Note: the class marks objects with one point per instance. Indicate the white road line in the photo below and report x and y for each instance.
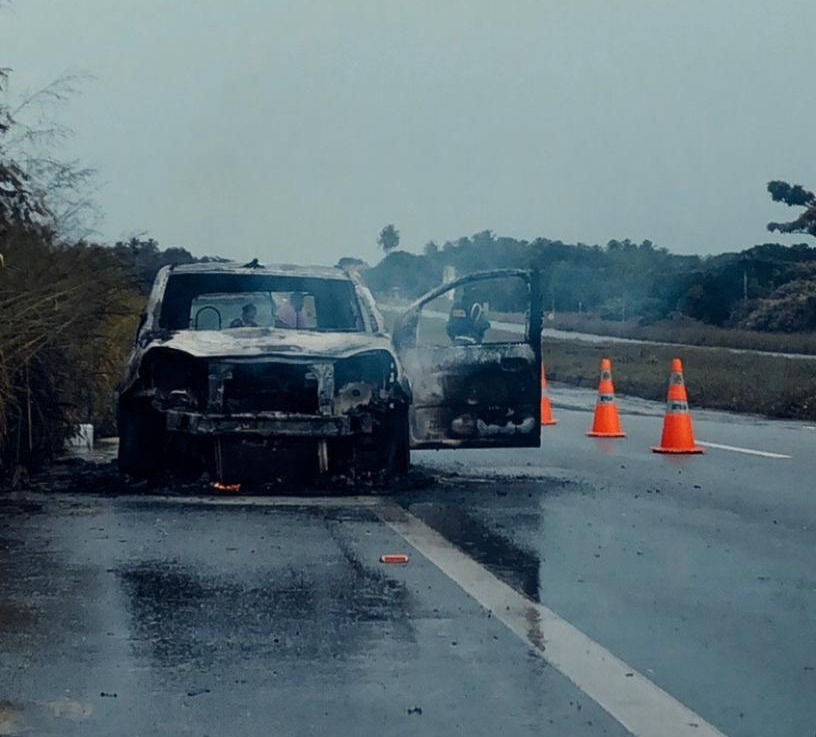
(629, 697)
(747, 451)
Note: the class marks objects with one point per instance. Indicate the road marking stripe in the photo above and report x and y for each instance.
(747, 451)
(629, 697)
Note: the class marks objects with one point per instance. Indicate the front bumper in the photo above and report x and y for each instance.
(267, 424)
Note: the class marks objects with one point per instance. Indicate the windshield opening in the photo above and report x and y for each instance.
(234, 301)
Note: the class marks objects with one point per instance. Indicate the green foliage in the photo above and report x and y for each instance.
(619, 282)
(794, 195)
(141, 259)
(18, 205)
(351, 263)
(402, 275)
(388, 238)
(791, 308)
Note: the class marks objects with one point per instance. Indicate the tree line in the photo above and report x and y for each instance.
(769, 287)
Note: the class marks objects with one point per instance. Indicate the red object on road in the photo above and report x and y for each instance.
(226, 488)
(398, 558)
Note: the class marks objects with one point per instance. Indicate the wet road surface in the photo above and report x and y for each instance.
(585, 588)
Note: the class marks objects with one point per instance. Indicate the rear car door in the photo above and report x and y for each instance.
(471, 351)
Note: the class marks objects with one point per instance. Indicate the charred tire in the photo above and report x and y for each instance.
(397, 450)
(141, 440)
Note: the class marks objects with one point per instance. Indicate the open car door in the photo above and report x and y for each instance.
(471, 351)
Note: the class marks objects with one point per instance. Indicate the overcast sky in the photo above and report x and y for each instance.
(294, 130)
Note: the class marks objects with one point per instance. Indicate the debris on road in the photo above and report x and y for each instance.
(80, 476)
(395, 558)
(226, 488)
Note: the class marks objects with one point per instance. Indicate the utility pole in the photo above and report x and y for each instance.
(745, 285)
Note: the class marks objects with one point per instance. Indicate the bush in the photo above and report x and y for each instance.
(790, 308)
(69, 313)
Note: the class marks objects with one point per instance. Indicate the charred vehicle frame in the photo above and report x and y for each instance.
(326, 393)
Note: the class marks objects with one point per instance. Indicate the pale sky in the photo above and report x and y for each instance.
(294, 130)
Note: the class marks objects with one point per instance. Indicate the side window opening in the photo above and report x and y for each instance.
(482, 312)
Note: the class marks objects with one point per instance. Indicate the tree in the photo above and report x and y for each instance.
(794, 196)
(409, 274)
(389, 238)
(352, 263)
(18, 205)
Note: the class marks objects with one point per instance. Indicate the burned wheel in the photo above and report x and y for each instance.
(377, 456)
(141, 440)
(397, 448)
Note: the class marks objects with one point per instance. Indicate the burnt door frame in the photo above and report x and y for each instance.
(441, 417)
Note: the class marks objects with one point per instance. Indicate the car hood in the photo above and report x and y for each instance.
(270, 342)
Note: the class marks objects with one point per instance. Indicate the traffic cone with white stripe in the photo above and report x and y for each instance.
(678, 433)
(546, 406)
(606, 422)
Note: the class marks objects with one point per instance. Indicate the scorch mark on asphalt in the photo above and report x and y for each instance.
(629, 697)
(251, 501)
(746, 451)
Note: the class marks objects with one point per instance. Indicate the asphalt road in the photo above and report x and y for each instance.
(586, 588)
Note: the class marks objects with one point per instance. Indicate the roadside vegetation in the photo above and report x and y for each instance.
(717, 379)
(69, 307)
(689, 332)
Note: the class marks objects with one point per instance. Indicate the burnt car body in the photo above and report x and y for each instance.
(264, 372)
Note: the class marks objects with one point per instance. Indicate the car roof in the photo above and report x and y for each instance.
(235, 267)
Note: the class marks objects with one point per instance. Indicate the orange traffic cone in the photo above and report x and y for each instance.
(546, 406)
(678, 433)
(606, 423)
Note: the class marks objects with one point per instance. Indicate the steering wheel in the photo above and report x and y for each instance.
(464, 340)
(204, 309)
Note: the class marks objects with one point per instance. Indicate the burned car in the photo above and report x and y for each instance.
(262, 372)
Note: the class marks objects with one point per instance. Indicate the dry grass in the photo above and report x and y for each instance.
(68, 316)
(690, 332)
(718, 379)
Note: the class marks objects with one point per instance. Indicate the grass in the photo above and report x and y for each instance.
(689, 332)
(768, 385)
